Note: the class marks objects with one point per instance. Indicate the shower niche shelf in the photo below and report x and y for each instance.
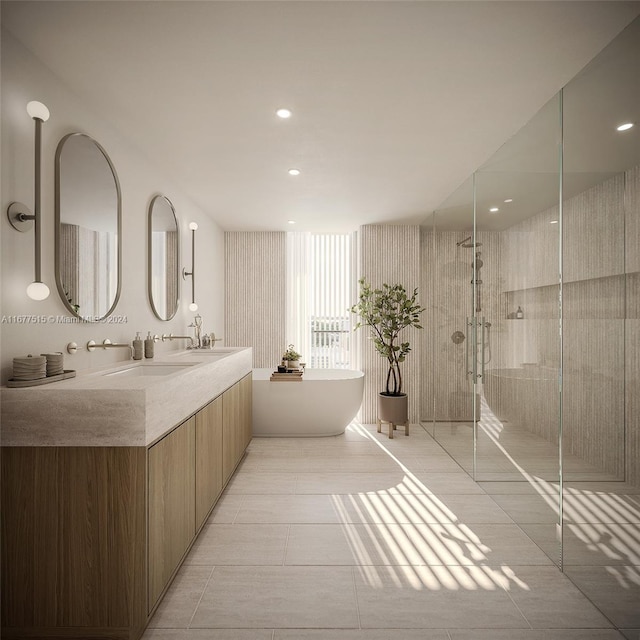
(609, 297)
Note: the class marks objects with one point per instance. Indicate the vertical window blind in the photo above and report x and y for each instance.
(320, 289)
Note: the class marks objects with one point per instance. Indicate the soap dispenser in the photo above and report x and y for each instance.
(137, 347)
(149, 346)
(519, 313)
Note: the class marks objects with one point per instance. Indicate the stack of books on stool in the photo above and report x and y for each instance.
(290, 374)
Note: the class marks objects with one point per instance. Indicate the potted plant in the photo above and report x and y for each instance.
(291, 357)
(387, 311)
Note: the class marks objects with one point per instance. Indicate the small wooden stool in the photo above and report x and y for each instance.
(392, 427)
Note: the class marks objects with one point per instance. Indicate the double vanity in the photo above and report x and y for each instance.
(107, 479)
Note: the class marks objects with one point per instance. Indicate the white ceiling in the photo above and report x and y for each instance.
(395, 103)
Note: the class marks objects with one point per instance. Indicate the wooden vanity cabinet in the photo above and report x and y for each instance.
(92, 536)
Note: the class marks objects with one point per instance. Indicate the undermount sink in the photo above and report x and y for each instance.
(150, 370)
(218, 352)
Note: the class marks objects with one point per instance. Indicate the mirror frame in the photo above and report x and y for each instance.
(58, 255)
(149, 257)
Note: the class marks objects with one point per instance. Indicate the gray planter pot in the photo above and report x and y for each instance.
(394, 410)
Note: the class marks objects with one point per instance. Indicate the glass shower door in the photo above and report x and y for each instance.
(451, 405)
(494, 251)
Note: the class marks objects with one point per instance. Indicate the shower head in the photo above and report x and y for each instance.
(468, 245)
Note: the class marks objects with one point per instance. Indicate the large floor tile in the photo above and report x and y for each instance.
(525, 486)
(474, 509)
(180, 602)
(615, 590)
(408, 544)
(327, 463)
(535, 634)
(434, 597)
(257, 482)
(208, 634)
(278, 597)
(239, 544)
(445, 483)
(603, 487)
(591, 507)
(440, 462)
(288, 509)
(226, 509)
(343, 483)
(531, 509)
(549, 600)
(403, 508)
(631, 634)
(361, 634)
(589, 545)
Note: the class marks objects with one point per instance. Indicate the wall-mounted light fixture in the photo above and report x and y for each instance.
(193, 306)
(20, 216)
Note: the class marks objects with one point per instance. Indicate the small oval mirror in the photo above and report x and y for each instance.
(88, 228)
(163, 243)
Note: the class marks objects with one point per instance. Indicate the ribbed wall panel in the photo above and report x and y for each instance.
(255, 294)
(391, 254)
(632, 325)
(447, 292)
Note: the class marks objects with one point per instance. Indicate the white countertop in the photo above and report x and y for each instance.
(95, 409)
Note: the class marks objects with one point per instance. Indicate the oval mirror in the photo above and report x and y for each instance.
(163, 243)
(88, 228)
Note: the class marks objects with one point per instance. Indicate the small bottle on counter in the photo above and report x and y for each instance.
(137, 347)
(149, 346)
(519, 313)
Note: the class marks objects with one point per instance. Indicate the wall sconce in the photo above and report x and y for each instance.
(19, 214)
(193, 306)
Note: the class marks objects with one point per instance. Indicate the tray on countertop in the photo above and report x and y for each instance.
(67, 373)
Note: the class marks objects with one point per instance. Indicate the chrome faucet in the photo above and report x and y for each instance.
(171, 337)
(107, 344)
(197, 325)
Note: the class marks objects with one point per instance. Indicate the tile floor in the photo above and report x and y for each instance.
(360, 537)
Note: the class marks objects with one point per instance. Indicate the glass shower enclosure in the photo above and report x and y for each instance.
(531, 273)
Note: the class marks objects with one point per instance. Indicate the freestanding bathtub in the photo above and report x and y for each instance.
(322, 404)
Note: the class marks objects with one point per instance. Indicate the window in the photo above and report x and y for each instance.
(320, 286)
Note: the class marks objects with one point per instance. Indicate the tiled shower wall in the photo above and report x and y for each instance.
(255, 294)
(601, 322)
(632, 342)
(446, 288)
(593, 325)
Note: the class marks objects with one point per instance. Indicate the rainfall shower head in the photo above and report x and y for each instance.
(468, 245)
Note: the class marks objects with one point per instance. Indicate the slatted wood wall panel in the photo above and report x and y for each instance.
(255, 294)
(391, 254)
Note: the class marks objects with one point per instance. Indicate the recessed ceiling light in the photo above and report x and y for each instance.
(283, 113)
(553, 222)
(509, 200)
(494, 209)
(294, 172)
(625, 127)
(291, 221)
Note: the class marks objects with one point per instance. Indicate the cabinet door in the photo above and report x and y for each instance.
(231, 435)
(237, 431)
(171, 504)
(208, 458)
(246, 386)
